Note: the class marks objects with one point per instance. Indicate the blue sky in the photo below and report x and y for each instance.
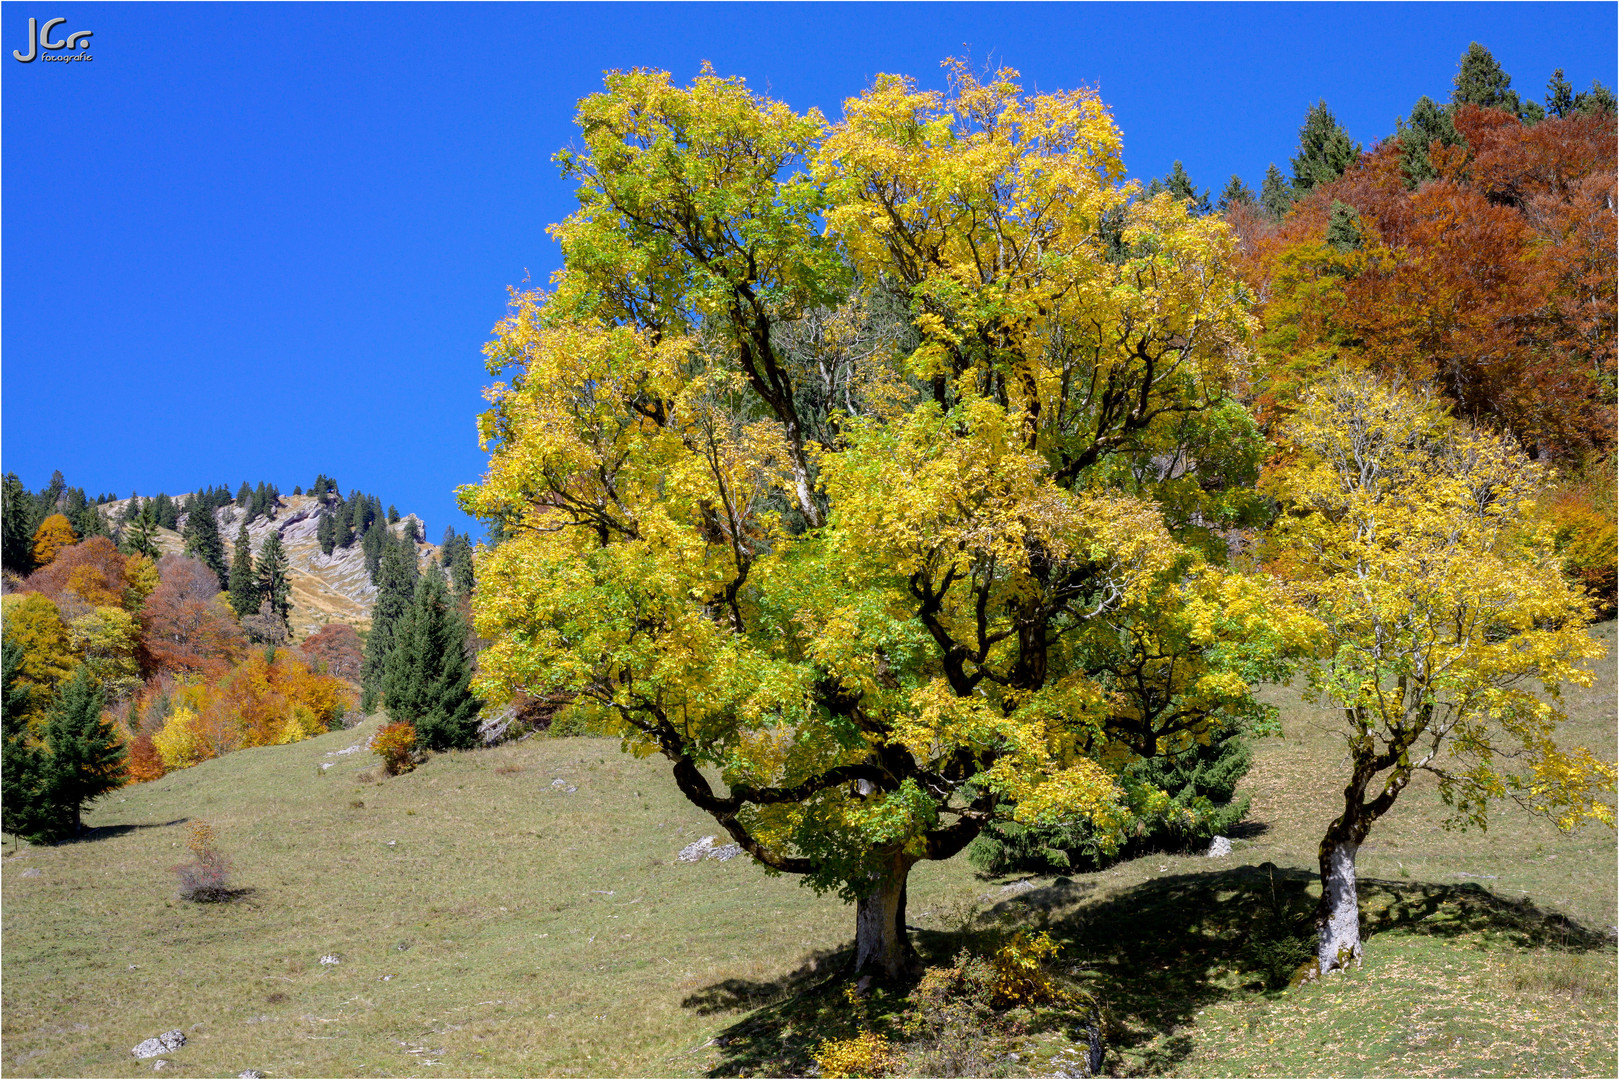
(267, 241)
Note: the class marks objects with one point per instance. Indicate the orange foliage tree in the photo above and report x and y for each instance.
(186, 625)
(1495, 282)
(260, 702)
(94, 573)
(337, 645)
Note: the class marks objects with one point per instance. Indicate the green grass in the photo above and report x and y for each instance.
(511, 928)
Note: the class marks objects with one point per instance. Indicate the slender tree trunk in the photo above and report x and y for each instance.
(881, 946)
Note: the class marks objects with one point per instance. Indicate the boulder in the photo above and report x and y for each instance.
(1219, 848)
(707, 848)
(161, 1044)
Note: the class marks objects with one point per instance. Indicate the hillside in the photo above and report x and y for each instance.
(325, 588)
(519, 911)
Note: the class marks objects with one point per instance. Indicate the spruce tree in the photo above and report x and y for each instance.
(1429, 123)
(244, 496)
(244, 583)
(86, 755)
(326, 533)
(396, 590)
(140, 535)
(426, 681)
(393, 514)
(166, 514)
(17, 526)
(23, 805)
(202, 539)
(1559, 95)
(1325, 150)
(1481, 81)
(372, 544)
(342, 533)
(1236, 192)
(275, 576)
(1180, 185)
(1275, 194)
(1344, 228)
(1597, 101)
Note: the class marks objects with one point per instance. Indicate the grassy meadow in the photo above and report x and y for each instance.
(488, 920)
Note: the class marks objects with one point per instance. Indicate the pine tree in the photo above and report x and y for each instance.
(1344, 228)
(1597, 101)
(244, 583)
(86, 756)
(140, 535)
(165, 513)
(393, 514)
(426, 681)
(461, 569)
(372, 544)
(23, 806)
(1275, 194)
(202, 539)
(1480, 81)
(396, 589)
(342, 533)
(1325, 150)
(244, 496)
(1180, 185)
(1429, 123)
(17, 526)
(326, 533)
(1236, 192)
(1559, 95)
(274, 577)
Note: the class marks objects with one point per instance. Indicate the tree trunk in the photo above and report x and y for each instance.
(1337, 916)
(881, 946)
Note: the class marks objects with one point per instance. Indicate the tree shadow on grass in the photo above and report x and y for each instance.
(1161, 952)
(1157, 954)
(93, 833)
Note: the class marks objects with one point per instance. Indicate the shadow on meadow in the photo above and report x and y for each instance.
(94, 833)
(1156, 954)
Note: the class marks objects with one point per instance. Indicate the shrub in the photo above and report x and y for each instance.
(206, 878)
(1201, 785)
(177, 743)
(145, 763)
(395, 744)
(865, 1055)
(1021, 977)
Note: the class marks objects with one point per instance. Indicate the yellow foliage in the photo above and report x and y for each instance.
(865, 1055)
(53, 534)
(107, 638)
(34, 625)
(178, 743)
(140, 571)
(1021, 977)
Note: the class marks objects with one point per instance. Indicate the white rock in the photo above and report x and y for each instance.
(162, 1044)
(1219, 848)
(330, 958)
(697, 852)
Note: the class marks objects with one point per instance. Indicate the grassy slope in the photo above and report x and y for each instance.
(552, 933)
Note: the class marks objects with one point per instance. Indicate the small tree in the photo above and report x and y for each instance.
(54, 534)
(396, 589)
(86, 756)
(244, 582)
(1275, 194)
(275, 577)
(25, 809)
(1439, 611)
(202, 539)
(428, 671)
(1325, 150)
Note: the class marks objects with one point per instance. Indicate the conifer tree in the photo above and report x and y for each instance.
(202, 539)
(1344, 228)
(326, 533)
(342, 533)
(426, 681)
(244, 496)
(1236, 191)
(1559, 95)
(1429, 123)
(372, 544)
(244, 583)
(86, 756)
(1275, 194)
(396, 589)
(1179, 184)
(165, 513)
(1597, 101)
(1325, 150)
(274, 576)
(1481, 81)
(22, 764)
(140, 536)
(393, 514)
(17, 526)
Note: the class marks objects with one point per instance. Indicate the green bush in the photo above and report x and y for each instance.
(1201, 784)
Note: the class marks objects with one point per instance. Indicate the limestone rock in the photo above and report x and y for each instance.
(1219, 848)
(707, 848)
(162, 1044)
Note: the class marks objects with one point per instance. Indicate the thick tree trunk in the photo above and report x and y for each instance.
(1337, 916)
(881, 946)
